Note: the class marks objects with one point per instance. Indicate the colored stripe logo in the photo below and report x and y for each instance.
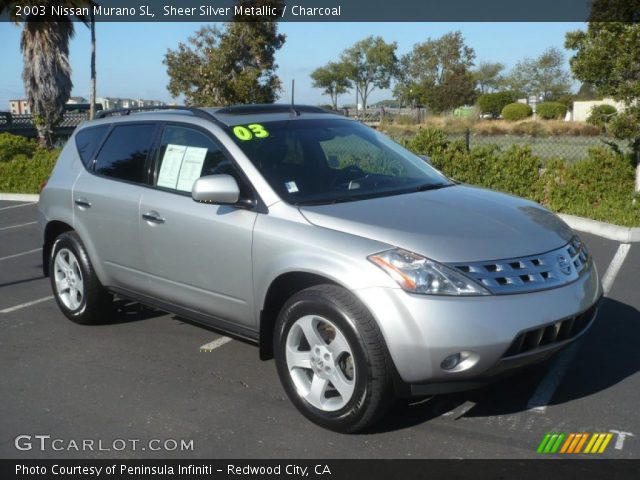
(574, 442)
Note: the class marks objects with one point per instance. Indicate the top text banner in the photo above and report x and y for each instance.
(333, 11)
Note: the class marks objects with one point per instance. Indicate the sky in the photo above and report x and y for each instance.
(129, 55)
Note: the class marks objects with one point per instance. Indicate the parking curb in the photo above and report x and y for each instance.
(602, 229)
(595, 227)
(19, 197)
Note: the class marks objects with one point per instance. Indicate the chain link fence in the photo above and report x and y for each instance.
(567, 147)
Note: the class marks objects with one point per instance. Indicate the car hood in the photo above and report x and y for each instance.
(452, 224)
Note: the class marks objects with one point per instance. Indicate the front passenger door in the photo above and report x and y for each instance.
(197, 256)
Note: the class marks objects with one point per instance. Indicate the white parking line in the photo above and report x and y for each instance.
(27, 304)
(18, 226)
(218, 342)
(547, 387)
(16, 206)
(21, 254)
(614, 267)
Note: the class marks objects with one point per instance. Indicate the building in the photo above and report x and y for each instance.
(19, 107)
(76, 100)
(582, 110)
(112, 103)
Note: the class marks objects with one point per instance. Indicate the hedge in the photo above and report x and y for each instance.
(24, 174)
(13, 145)
(599, 187)
(516, 111)
(551, 110)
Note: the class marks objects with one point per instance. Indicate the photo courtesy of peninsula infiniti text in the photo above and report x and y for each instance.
(363, 271)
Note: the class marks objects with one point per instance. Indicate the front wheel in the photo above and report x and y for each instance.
(331, 359)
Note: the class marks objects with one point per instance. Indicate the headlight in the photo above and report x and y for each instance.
(418, 274)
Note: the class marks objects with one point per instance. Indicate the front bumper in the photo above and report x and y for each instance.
(420, 330)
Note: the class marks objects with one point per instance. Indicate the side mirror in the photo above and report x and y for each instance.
(426, 159)
(221, 189)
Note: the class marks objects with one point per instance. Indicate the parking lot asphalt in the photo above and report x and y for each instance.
(145, 377)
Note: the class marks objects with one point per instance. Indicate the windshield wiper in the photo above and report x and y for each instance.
(432, 186)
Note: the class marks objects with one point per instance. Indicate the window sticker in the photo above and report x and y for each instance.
(251, 131)
(291, 187)
(181, 166)
(191, 167)
(170, 166)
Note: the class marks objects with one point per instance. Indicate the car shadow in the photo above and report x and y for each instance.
(126, 311)
(606, 355)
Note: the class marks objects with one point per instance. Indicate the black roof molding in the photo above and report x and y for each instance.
(195, 111)
(268, 108)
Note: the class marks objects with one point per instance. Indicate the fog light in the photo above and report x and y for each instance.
(451, 361)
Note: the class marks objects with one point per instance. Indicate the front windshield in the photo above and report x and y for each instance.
(326, 161)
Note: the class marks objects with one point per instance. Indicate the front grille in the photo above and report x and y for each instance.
(535, 272)
(550, 334)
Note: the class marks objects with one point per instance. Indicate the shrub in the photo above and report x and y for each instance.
(22, 174)
(12, 145)
(428, 141)
(600, 186)
(493, 103)
(516, 111)
(551, 110)
(601, 115)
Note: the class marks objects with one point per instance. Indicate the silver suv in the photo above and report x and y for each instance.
(364, 271)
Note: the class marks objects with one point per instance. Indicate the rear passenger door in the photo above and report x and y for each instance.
(106, 203)
(198, 256)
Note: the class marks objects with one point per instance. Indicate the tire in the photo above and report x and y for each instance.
(332, 360)
(70, 271)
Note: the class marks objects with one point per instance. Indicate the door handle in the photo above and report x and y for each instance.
(83, 202)
(153, 217)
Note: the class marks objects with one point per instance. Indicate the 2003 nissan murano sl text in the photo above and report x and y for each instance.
(364, 271)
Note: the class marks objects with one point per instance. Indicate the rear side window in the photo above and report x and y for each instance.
(88, 141)
(124, 153)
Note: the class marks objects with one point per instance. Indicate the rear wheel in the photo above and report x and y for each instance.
(76, 288)
(331, 359)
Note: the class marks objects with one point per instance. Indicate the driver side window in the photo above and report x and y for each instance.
(185, 155)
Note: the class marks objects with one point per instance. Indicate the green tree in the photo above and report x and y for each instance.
(488, 76)
(587, 92)
(606, 56)
(235, 64)
(46, 70)
(493, 103)
(370, 63)
(437, 73)
(544, 75)
(332, 78)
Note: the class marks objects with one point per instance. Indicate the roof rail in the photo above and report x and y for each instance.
(268, 108)
(197, 112)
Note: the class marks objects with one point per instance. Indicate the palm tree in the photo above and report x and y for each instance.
(45, 50)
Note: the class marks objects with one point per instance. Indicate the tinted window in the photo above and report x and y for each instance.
(186, 155)
(125, 151)
(88, 141)
(332, 160)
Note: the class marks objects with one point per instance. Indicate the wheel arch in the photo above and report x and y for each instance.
(53, 229)
(279, 291)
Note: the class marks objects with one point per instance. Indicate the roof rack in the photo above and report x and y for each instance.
(197, 112)
(268, 108)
